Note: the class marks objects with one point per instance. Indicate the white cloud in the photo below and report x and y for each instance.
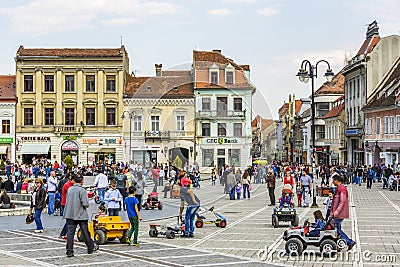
(44, 16)
(269, 11)
(219, 12)
(240, 1)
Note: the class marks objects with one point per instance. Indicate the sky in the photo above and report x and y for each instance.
(272, 36)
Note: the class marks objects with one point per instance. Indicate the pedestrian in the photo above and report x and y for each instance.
(231, 182)
(113, 197)
(238, 189)
(271, 180)
(38, 203)
(328, 203)
(139, 185)
(246, 184)
(51, 190)
(370, 177)
(213, 178)
(66, 186)
(75, 213)
(299, 193)
(155, 176)
(5, 201)
(360, 173)
(101, 183)
(305, 181)
(133, 215)
(122, 186)
(340, 208)
(288, 179)
(193, 203)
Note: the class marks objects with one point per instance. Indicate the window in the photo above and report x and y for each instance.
(155, 123)
(322, 109)
(378, 125)
(229, 77)
(137, 123)
(49, 83)
(206, 104)
(28, 83)
(366, 127)
(90, 83)
(180, 123)
(385, 125)
(5, 127)
(49, 116)
(90, 116)
(338, 133)
(221, 152)
(222, 106)
(205, 129)
(214, 77)
(110, 87)
(221, 129)
(208, 157)
(320, 129)
(370, 126)
(392, 125)
(69, 83)
(69, 116)
(28, 116)
(110, 116)
(397, 124)
(237, 130)
(234, 157)
(237, 104)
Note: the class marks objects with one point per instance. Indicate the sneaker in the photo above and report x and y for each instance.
(135, 244)
(191, 235)
(62, 237)
(39, 231)
(183, 235)
(128, 240)
(69, 255)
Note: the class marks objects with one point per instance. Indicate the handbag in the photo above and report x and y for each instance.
(250, 187)
(29, 218)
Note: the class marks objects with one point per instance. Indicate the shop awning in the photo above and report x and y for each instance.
(106, 150)
(35, 149)
(3, 149)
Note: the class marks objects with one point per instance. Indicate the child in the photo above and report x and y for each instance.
(286, 197)
(134, 216)
(328, 203)
(213, 178)
(299, 193)
(113, 196)
(318, 225)
(238, 190)
(102, 211)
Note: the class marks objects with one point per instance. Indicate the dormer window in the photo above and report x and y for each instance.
(214, 74)
(229, 74)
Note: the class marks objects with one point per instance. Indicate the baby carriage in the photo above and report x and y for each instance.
(152, 202)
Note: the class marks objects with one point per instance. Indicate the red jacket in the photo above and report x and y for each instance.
(340, 203)
(288, 180)
(64, 190)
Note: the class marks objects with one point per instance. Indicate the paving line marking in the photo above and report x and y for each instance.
(390, 202)
(219, 264)
(354, 227)
(95, 263)
(250, 249)
(25, 243)
(10, 254)
(181, 256)
(37, 249)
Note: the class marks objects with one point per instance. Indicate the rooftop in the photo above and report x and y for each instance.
(71, 52)
(7, 87)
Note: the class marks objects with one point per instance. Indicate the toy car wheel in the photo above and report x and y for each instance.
(124, 237)
(328, 247)
(222, 224)
(294, 247)
(146, 206)
(99, 237)
(199, 224)
(160, 206)
(80, 236)
(153, 233)
(170, 234)
(341, 244)
(97, 200)
(217, 222)
(111, 239)
(275, 221)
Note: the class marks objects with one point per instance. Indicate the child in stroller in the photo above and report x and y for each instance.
(152, 202)
(287, 196)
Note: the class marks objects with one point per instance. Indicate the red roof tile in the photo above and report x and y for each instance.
(297, 106)
(368, 45)
(283, 109)
(336, 86)
(334, 112)
(7, 87)
(71, 52)
(264, 122)
(213, 57)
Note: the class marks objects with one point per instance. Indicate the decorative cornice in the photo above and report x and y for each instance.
(158, 102)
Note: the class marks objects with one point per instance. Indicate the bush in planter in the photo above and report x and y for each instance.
(2, 165)
(69, 162)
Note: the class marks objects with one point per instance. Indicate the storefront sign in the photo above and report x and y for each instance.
(69, 146)
(352, 132)
(110, 141)
(221, 140)
(69, 137)
(35, 138)
(6, 140)
(90, 140)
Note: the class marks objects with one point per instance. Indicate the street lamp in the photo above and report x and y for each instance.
(304, 75)
(131, 115)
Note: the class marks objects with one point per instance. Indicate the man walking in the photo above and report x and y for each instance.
(340, 208)
(231, 182)
(122, 185)
(51, 191)
(64, 190)
(271, 186)
(370, 177)
(101, 182)
(76, 213)
(305, 181)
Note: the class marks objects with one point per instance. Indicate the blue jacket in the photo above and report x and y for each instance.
(319, 224)
(284, 200)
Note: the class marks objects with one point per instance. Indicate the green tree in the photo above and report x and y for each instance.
(69, 161)
(2, 165)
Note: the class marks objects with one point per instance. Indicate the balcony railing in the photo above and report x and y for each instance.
(68, 129)
(157, 134)
(222, 114)
(175, 134)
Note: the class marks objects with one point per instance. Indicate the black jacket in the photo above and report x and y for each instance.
(40, 199)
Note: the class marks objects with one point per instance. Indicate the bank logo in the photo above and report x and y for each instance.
(220, 141)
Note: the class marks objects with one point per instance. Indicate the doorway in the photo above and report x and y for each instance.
(221, 163)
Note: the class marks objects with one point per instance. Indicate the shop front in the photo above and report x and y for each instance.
(101, 150)
(6, 144)
(146, 155)
(72, 149)
(34, 148)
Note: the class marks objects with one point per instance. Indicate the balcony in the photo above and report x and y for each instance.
(68, 129)
(157, 134)
(181, 134)
(221, 114)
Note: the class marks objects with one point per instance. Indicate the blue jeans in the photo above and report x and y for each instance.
(101, 192)
(232, 192)
(62, 210)
(189, 219)
(38, 221)
(359, 180)
(113, 212)
(246, 189)
(238, 195)
(338, 223)
(50, 207)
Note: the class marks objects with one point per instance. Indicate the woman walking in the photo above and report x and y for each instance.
(38, 203)
(246, 184)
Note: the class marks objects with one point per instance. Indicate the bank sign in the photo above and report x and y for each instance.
(6, 140)
(220, 141)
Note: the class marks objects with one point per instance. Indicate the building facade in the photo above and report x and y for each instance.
(8, 101)
(159, 125)
(223, 105)
(69, 104)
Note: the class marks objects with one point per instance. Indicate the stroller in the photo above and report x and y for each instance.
(152, 202)
(393, 183)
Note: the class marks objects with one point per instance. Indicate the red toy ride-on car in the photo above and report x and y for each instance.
(152, 202)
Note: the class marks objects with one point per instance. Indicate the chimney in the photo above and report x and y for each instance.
(373, 30)
(158, 69)
(217, 51)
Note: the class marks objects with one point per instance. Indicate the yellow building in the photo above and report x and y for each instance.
(68, 103)
(160, 113)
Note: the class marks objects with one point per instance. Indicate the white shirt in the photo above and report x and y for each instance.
(101, 181)
(52, 184)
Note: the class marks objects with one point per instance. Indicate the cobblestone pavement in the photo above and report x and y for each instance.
(248, 239)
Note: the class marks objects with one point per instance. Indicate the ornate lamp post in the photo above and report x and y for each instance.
(304, 75)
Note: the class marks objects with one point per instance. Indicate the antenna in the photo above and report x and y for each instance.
(121, 39)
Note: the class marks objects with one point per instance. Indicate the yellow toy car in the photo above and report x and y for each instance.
(106, 228)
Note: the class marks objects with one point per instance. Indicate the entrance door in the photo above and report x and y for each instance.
(221, 163)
